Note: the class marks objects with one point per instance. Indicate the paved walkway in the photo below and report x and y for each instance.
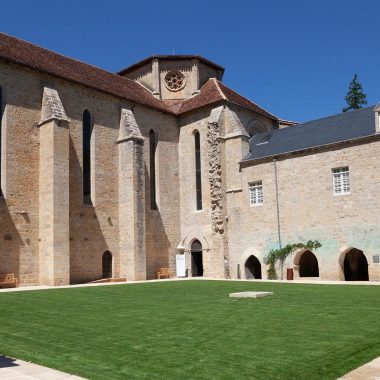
(369, 371)
(14, 369)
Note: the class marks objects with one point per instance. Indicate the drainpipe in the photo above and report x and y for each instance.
(277, 204)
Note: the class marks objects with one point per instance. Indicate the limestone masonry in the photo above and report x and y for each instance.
(114, 175)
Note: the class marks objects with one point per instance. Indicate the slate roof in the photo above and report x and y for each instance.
(330, 130)
(169, 57)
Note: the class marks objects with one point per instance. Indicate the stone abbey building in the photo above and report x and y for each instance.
(113, 175)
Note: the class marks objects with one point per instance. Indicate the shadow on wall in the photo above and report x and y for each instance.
(11, 244)
(87, 242)
(157, 242)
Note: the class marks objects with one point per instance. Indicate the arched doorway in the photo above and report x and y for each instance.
(355, 266)
(308, 265)
(107, 265)
(253, 268)
(196, 259)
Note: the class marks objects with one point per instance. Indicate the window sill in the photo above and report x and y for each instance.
(341, 194)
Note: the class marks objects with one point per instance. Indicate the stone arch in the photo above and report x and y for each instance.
(196, 252)
(307, 263)
(255, 126)
(107, 261)
(252, 268)
(244, 256)
(353, 265)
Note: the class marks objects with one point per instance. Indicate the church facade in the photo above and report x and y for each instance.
(114, 175)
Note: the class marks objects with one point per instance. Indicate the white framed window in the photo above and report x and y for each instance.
(255, 193)
(341, 180)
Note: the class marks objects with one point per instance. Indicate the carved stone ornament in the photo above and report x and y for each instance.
(175, 80)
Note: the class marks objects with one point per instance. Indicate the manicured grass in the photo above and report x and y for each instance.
(193, 330)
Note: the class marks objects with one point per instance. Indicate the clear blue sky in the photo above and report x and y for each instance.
(294, 58)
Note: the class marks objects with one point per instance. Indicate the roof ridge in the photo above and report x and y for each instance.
(62, 55)
(76, 71)
(332, 116)
(199, 95)
(216, 82)
(244, 97)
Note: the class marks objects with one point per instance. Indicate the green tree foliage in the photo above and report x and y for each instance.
(280, 255)
(355, 97)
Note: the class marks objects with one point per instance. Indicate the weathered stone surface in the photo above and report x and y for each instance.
(215, 169)
(52, 107)
(128, 126)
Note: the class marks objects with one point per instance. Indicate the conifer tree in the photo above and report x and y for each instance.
(355, 97)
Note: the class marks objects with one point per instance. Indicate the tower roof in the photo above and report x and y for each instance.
(173, 57)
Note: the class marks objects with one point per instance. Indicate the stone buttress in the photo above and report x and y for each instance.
(54, 249)
(236, 146)
(131, 198)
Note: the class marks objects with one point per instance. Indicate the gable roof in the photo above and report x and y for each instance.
(173, 57)
(213, 92)
(329, 130)
(26, 54)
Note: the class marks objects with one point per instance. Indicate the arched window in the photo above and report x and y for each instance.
(1, 137)
(198, 175)
(152, 169)
(87, 130)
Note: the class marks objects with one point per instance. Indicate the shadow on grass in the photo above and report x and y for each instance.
(7, 362)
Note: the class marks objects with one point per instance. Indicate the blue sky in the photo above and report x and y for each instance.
(294, 58)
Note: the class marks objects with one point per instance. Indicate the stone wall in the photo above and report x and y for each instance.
(309, 210)
(223, 141)
(93, 229)
(120, 220)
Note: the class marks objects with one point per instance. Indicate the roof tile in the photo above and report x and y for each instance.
(24, 53)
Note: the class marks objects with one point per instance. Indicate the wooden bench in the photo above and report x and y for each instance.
(165, 272)
(8, 280)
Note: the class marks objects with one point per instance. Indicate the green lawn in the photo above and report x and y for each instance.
(193, 330)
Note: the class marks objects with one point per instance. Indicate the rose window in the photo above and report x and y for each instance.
(174, 80)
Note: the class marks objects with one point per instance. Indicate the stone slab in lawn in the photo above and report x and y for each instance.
(251, 294)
